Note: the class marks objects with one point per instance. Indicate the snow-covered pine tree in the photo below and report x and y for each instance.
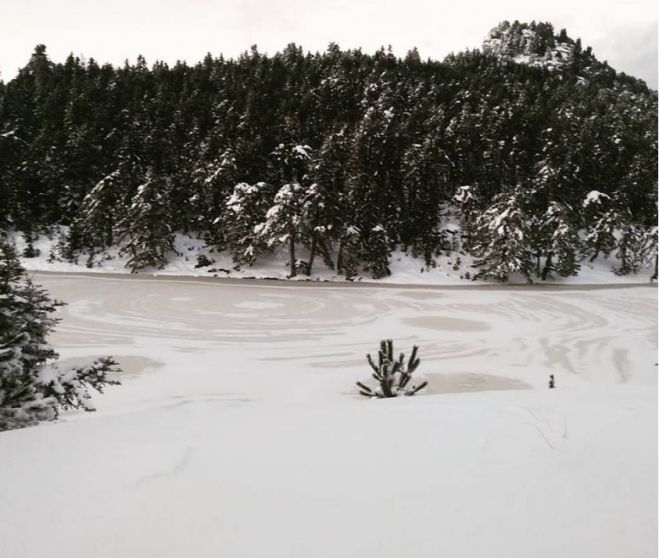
(423, 187)
(291, 161)
(32, 387)
(246, 208)
(374, 173)
(562, 248)
(296, 215)
(468, 202)
(98, 214)
(317, 229)
(332, 212)
(629, 249)
(610, 227)
(347, 260)
(283, 221)
(148, 225)
(379, 252)
(500, 239)
(69, 243)
(212, 184)
(601, 219)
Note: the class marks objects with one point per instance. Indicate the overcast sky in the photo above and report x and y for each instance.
(624, 32)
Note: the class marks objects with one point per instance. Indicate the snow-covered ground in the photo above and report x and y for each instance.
(405, 269)
(238, 431)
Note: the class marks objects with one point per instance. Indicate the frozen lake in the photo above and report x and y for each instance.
(239, 431)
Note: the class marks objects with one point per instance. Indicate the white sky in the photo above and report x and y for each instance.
(624, 32)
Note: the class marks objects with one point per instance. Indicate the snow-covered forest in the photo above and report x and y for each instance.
(529, 156)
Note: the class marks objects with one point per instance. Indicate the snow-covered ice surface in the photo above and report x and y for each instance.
(405, 269)
(238, 431)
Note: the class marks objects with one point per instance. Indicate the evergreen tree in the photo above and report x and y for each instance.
(468, 201)
(212, 184)
(246, 209)
(284, 221)
(563, 242)
(98, 217)
(500, 239)
(369, 193)
(317, 230)
(629, 249)
(347, 262)
(32, 387)
(424, 178)
(377, 253)
(604, 217)
(148, 225)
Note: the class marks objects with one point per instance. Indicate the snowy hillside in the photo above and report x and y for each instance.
(341, 157)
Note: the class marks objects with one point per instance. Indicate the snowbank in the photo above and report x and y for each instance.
(405, 269)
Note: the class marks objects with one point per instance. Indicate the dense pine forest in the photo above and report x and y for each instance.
(530, 155)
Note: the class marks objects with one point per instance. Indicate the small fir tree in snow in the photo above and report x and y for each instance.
(347, 261)
(378, 252)
(629, 249)
(392, 374)
(148, 225)
(33, 387)
(69, 243)
(29, 251)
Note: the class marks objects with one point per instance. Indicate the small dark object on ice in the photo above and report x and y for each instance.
(552, 384)
(392, 375)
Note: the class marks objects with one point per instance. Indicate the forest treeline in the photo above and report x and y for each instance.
(340, 156)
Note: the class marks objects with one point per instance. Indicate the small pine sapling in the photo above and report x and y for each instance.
(393, 375)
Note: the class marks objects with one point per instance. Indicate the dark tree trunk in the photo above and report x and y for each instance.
(654, 275)
(597, 250)
(339, 264)
(291, 251)
(547, 268)
(110, 239)
(312, 252)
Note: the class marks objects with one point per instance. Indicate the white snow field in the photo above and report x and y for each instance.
(238, 431)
